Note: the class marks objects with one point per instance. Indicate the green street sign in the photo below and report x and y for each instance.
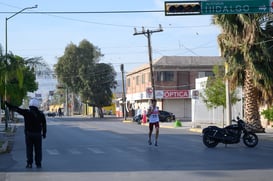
(210, 7)
(235, 6)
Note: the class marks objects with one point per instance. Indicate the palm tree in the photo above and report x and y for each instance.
(247, 45)
(17, 76)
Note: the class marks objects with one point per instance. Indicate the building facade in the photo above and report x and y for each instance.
(174, 78)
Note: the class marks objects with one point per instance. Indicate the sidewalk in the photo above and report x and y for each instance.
(188, 125)
(3, 141)
(6, 137)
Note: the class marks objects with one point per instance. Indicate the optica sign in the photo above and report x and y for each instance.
(176, 94)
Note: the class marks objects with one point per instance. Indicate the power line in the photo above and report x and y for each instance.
(89, 12)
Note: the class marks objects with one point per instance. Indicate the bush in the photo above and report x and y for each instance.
(268, 113)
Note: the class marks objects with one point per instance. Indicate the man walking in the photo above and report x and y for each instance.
(153, 114)
(35, 129)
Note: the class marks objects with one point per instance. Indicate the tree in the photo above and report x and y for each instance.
(247, 47)
(20, 79)
(215, 93)
(67, 68)
(268, 113)
(76, 62)
(79, 69)
(97, 91)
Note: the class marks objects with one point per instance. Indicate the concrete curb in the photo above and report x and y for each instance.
(4, 147)
(170, 126)
(197, 130)
(127, 121)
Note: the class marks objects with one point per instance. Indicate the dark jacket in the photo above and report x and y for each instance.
(35, 121)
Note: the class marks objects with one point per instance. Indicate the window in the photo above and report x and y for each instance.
(205, 74)
(137, 80)
(128, 82)
(143, 79)
(165, 76)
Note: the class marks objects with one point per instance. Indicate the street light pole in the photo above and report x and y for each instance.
(6, 56)
(36, 6)
(148, 33)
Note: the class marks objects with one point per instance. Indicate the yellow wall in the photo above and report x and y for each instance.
(54, 108)
(110, 108)
(107, 109)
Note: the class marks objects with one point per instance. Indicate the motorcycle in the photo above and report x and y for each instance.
(212, 135)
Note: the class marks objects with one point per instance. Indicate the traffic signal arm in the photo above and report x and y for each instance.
(174, 8)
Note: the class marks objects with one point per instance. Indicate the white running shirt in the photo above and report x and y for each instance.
(154, 115)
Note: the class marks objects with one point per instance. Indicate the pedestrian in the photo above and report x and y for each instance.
(144, 116)
(35, 129)
(153, 114)
(60, 112)
(138, 115)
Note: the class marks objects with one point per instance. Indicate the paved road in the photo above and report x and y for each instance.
(92, 149)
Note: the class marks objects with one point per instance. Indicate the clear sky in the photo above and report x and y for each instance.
(47, 35)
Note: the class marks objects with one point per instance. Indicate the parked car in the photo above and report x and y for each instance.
(165, 116)
(50, 114)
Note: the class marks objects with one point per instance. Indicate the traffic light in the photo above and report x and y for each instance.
(175, 8)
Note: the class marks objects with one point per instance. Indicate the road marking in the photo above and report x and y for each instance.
(118, 150)
(74, 151)
(95, 150)
(52, 151)
(137, 149)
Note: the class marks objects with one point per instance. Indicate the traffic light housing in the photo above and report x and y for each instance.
(175, 8)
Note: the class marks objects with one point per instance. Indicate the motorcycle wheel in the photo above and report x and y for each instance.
(250, 139)
(209, 142)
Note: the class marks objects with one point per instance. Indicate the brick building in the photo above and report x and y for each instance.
(174, 78)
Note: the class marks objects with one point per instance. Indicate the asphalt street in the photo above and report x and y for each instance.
(109, 149)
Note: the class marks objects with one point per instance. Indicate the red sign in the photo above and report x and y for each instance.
(176, 94)
(149, 90)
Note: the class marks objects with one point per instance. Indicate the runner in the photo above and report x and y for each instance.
(153, 113)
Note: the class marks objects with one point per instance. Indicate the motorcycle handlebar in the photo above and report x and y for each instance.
(236, 121)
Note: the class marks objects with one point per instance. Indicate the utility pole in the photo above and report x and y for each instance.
(123, 92)
(148, 34)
